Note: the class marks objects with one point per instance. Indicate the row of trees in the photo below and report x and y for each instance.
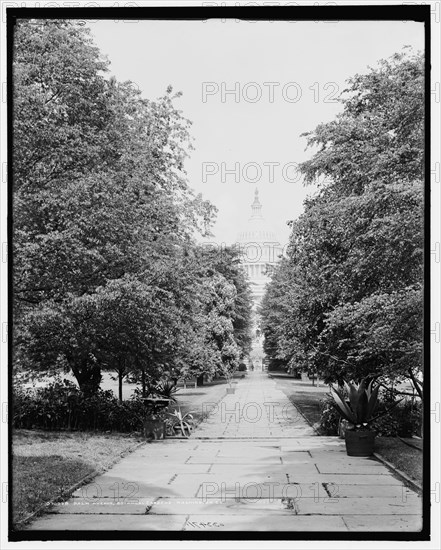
(347, 302)
(107, 272)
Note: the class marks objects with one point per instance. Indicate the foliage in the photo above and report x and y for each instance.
(166, 390)
(380, 132)
(347, 301)
(358, 408)
(180, 421)
(405, 420)
(62, 406)
(107, 272)
(358, 404)
(393, 418)
(329, 417)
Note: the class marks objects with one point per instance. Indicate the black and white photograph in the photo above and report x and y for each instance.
(219, 255)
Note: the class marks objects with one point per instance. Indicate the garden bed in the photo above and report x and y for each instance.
(45, 465)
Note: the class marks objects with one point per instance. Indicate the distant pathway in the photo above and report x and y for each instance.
(257, 409)
(254, 465)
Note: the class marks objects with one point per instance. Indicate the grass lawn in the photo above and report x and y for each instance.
(46, 464)
(304, 396)
(405, 458)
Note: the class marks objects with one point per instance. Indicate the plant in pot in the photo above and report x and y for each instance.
(358, 410)
(166, 389)
(159, 396)
(180, 423)
(228, 372)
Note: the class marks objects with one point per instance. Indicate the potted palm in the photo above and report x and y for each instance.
(358, 410)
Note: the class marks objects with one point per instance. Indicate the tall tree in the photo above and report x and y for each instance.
(353, 280)
(102, 209)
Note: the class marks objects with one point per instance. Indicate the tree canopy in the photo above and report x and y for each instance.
(107, 270)
(348, 300)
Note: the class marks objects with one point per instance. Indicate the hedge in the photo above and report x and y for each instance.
(62, 406)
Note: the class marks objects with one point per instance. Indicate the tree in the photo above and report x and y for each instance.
(101, 209)
(227, 262)
(379, 136)
(107, 272)
(353, 280)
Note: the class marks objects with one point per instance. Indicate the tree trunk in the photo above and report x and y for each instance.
(88, 378)
(120, 383)
(143, 381)
(417, 385)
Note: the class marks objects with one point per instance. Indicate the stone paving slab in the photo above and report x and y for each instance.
(294, 475)
(123, 522)
(375, 523)
(369, 491)
(342, 479)
(337, 468)
(163, 473)
(101, 507)
(272, 487)
(107, 489)
(244, 522)
(298, 505)
(257, 471)
(364, 506)
(236, 460)
(285, 506)
(220, 507)
(193, 522)
(277, 487)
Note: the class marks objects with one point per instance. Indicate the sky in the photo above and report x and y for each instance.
(250, 89)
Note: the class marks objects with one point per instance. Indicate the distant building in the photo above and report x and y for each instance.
(260, 250)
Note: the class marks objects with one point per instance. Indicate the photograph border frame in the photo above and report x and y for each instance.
(419, 13)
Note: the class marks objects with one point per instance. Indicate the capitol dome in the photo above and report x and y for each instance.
(260, 249)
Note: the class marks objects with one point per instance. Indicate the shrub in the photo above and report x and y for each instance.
(62, 406)
(404, 420)
(242, 367)
(329, 417)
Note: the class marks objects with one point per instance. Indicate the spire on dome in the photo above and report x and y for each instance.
(256, 207)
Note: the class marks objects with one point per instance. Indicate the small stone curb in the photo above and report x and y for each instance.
(398, 472)
(68, 492)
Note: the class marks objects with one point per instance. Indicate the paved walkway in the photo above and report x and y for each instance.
(253, 465)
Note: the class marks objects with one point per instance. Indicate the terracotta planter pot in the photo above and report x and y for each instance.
(342, 427)
(154, 428)
(359, 443)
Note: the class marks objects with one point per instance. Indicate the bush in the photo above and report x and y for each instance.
(329, 417)
(242, 367)
(62, 406)
(404, 420)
